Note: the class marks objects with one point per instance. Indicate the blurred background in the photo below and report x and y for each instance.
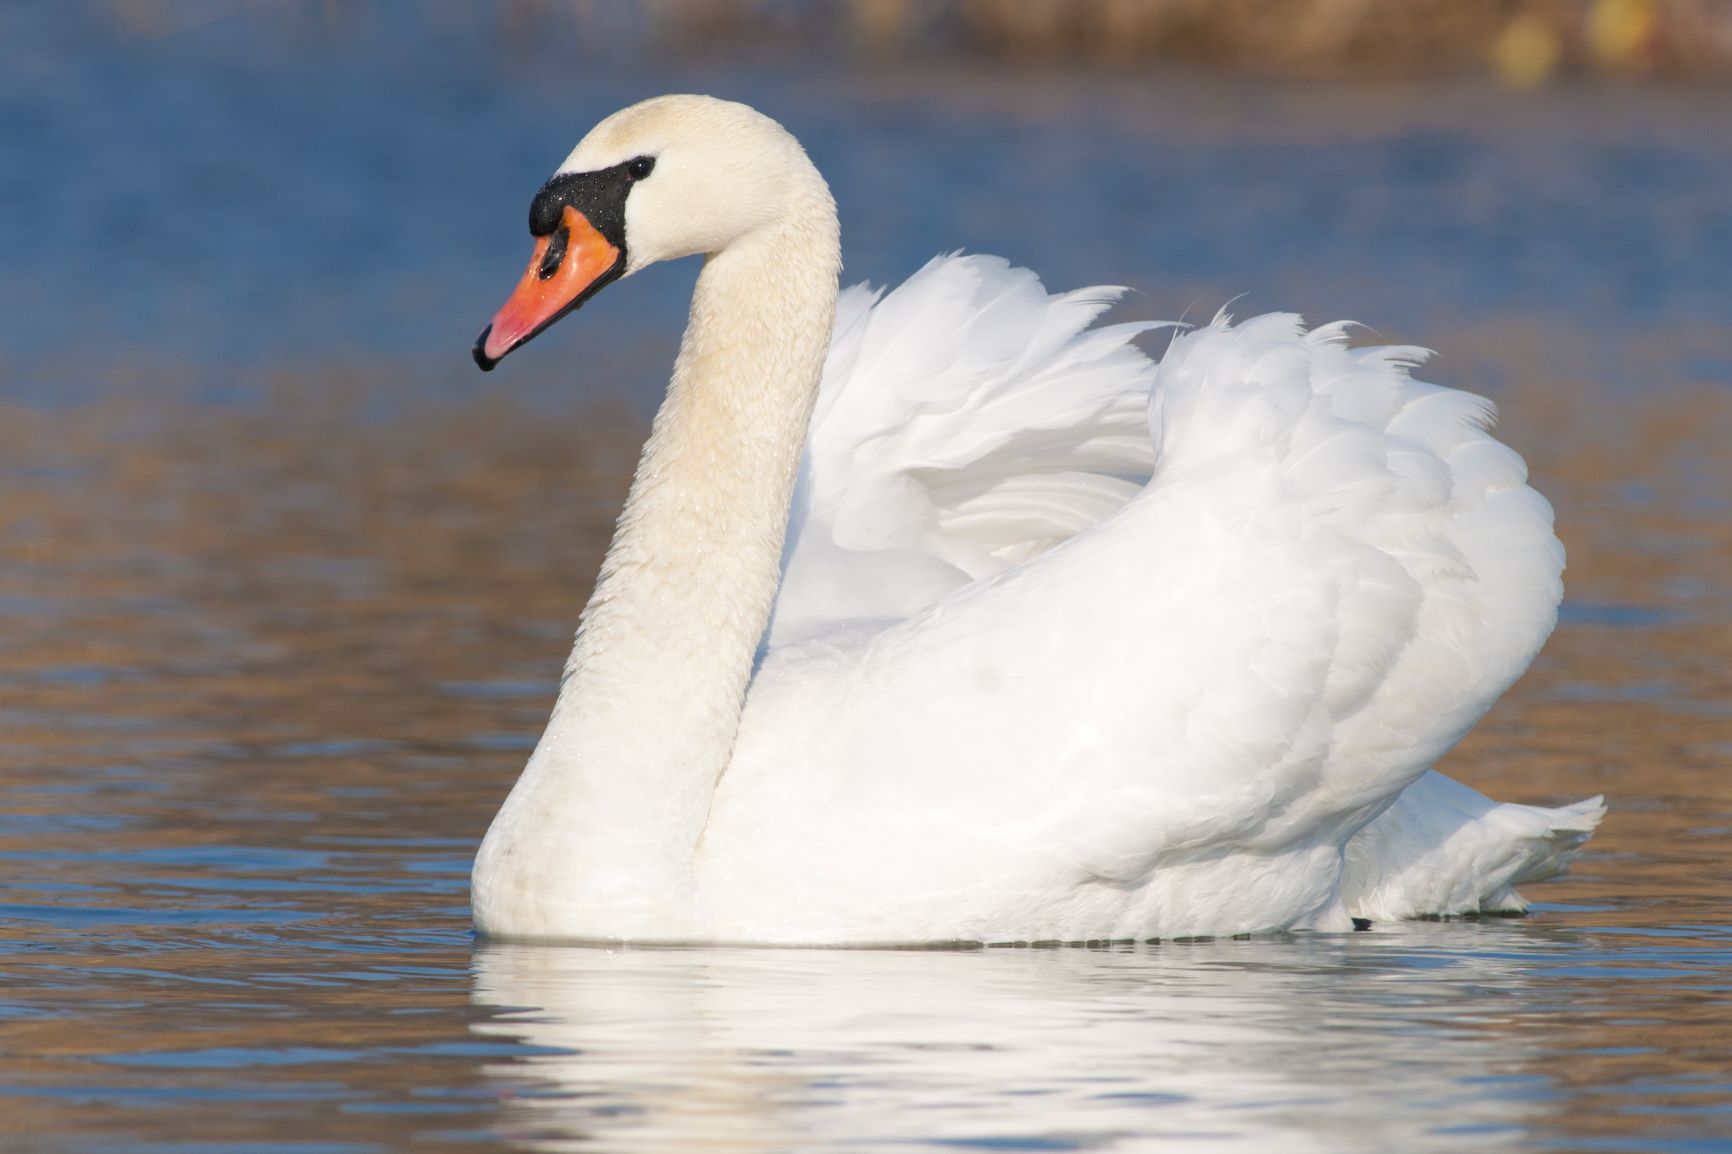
(285, 584)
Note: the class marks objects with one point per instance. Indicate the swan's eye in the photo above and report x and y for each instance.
(641, 167)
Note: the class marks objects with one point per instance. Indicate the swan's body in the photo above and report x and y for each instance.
(1046, 643)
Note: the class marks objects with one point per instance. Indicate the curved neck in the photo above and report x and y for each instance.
(596, 839)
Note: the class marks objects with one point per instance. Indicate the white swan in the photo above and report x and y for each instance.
(967, 623)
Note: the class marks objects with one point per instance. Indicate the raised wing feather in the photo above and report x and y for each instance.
(1455, 575)
(967, 421)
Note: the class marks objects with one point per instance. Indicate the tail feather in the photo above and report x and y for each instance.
(1443, 849)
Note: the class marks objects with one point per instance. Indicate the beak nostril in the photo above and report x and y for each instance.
(555, 254)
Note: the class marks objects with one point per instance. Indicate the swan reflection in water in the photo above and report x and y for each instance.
(1381, 1041)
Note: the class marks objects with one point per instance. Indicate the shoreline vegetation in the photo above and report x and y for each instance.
(1523, 43)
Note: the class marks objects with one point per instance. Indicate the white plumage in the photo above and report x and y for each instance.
(966, 422)
(1065, 644)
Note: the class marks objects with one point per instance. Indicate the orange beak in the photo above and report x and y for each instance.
(570, 265)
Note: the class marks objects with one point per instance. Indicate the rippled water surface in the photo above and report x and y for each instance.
(284, 589)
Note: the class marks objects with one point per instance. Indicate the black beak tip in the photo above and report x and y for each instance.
(482, 361)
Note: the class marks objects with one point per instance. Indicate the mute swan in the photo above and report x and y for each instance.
(940, 615)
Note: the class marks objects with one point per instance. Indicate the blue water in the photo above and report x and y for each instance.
(263, 188)
(285, 587)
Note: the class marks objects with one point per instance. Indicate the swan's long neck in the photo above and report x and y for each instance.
(597, 838)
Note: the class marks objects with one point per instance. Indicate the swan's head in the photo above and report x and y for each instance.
(671, 177)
